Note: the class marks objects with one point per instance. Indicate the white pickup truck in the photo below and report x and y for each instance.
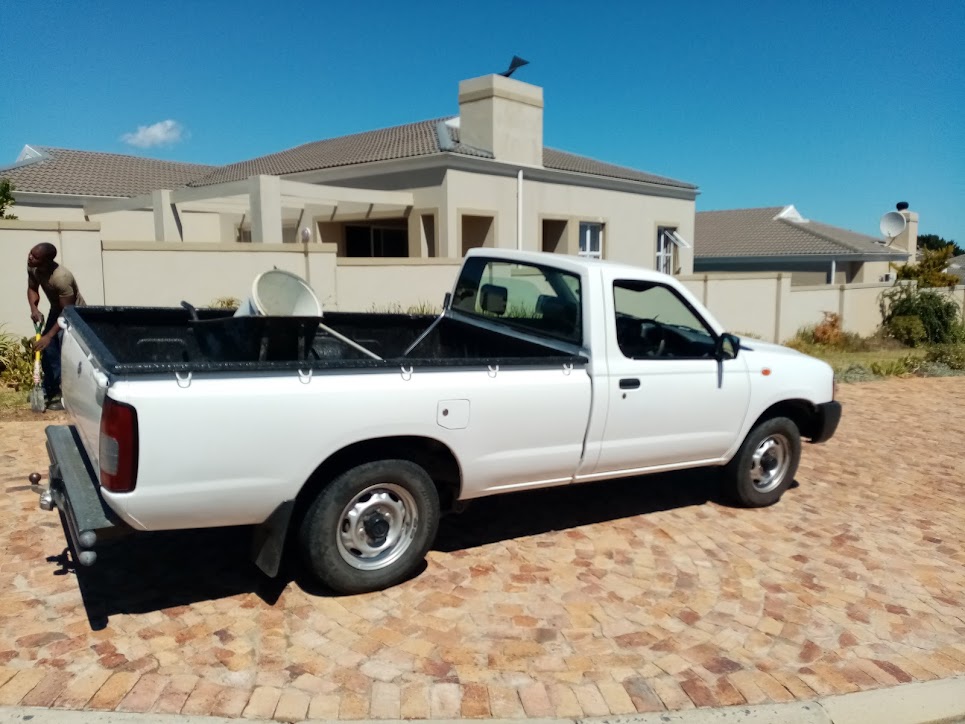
(347, 436)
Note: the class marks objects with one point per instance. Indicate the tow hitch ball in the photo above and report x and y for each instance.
(46, 499)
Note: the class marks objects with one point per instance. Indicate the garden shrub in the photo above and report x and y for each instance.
(950, 355)
(940, 316)
(909, 330)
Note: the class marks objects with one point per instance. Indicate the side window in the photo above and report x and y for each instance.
(654, 322)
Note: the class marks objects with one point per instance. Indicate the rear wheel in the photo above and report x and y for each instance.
(765, 465)
(371, 527)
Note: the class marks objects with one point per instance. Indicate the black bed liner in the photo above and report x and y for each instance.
(151, 340)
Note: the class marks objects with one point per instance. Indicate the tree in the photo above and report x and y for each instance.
(935, 243)
(6, 199)
(930, 269)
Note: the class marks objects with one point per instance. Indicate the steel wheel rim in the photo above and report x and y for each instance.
(377, 527)
(770, 463)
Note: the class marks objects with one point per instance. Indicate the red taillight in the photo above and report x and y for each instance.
(118, 446)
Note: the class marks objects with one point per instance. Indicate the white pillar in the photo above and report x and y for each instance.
(264, 193)
(166, 222)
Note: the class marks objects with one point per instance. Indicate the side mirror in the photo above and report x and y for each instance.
(728, 346)
(492, 299)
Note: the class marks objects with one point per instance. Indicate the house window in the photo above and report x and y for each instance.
(668, 242)
(477, 231)
(376, 241)
(591, 239)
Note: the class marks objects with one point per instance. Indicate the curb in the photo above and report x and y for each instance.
(933, 702)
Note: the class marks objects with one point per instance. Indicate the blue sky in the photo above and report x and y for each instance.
(841, 108)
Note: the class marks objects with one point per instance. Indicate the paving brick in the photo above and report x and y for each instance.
(144, 694)
(386, 701)
(175, 694)
(81, 689)
(536, 701)
(114, 690)
(292, 706)
(830, 591)
(20, 685)
(262, 703)
(201, 700)
(475, 701)
(322, 706)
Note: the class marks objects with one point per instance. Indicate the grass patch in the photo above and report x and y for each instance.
(14, 400)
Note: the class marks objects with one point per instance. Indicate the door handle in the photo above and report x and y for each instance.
(629, 383)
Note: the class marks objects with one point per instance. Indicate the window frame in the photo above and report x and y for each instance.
(588, 253)
(614, 283)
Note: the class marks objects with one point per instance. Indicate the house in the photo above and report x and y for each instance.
(780, 239)
(956, 267)
(426, 190)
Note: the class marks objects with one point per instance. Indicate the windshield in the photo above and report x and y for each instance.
(530, 297)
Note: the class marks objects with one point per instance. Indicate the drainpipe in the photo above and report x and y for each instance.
(833, 270)
(519, 210)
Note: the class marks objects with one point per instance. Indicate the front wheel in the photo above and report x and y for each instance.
(765, 465)
(371, 527)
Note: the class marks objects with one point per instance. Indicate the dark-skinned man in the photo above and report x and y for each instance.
(60, 287)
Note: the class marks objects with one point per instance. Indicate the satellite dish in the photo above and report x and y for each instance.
(892, 224)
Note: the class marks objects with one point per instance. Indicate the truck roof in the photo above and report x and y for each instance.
(568, 262)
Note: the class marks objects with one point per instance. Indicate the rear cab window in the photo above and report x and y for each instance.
(528, 297)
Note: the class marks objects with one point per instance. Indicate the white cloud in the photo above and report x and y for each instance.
(162, 133)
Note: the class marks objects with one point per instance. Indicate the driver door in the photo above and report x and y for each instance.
(669, 404)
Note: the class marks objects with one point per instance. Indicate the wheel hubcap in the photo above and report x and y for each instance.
(377, 526)
(770, 463)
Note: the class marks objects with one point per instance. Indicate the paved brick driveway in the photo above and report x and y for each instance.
(603, 599)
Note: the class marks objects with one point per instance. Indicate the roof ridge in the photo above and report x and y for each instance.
(47, 149)
(748, 208)
(803, 226)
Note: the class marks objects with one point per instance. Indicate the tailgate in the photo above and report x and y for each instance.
(84, 386)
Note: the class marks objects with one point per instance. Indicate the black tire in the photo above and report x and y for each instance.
(765, 465)
(395, 508)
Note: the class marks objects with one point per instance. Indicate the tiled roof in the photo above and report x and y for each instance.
(411, 139)
(89, 173)
(762, 233)
(956, 266)
(563, 161)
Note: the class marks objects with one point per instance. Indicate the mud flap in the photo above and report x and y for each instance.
(268, 539)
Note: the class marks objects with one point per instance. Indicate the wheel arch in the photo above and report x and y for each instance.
(802, 413)
(433, 456)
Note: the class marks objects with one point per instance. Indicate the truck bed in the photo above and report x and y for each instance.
(146, 340)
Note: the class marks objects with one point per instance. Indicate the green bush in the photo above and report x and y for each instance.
(908, 330)
(17, 361)
(855, 373)
(225, 303)
(950, 355)
(940, 316)
(900, 367)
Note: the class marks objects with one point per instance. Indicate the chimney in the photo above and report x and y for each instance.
(908, 238)
(504, 116)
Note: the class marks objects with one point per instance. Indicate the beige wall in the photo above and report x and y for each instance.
(366, 284)
(807, 307)
(630, 220)
(197, 273)
(29, 212)
(743, 303)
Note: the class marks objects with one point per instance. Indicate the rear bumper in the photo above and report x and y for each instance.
(76, 493)
(826, 421)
